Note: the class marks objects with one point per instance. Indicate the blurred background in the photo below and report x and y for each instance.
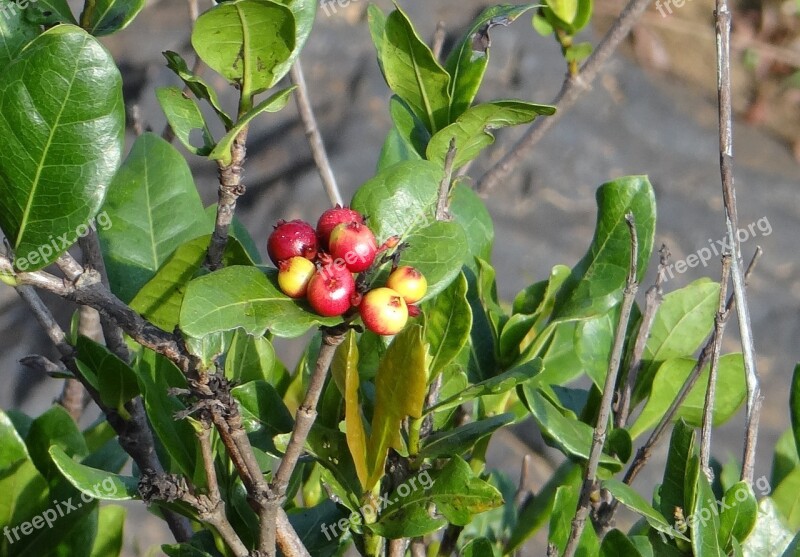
(652, 112)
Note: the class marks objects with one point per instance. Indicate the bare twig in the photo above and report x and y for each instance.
(442, 202)
(397, 548)
(571, 90)
(523, 492)
(600, 430)
(723, 31)
(418, 548)
(720, 320)
(439, 35)
(315, 142)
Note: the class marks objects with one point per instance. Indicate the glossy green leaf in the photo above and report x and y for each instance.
(247, 42)
(400, 389)
(413, 73)
(153, 207)
(571, 436)
(794, 406)
(250, 358)
(472, 130)
(12, 447)
(95, 483)
(597, 281)
(196, 85)
(49, 12)
(245, 297)
(455, 490)
(54, 428)
(315, 526)
(786, 499)
(565, 10)
(462, 438)
(376, 20)
(681, 450)
(264, 415)
(160, 299)
(480, 547)
(564, 505)
(730, 393)
(274, 103)
(594, 338)
(411, 131)
(344, 370)
(704, 522)
(116, 381)
(738, 512)
(448, 321)
(785, 457)
(469, 58)
(184, 117)
(395, 150)
(496, 385)
(635, 502)
(469, 210)
(682, 322)
(110, 527)
(15, 33)
(103, 17)
(770, 536)
(61, 126)
(617, 544)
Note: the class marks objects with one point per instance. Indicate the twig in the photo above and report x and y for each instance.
(397, 548)
(723, 31)
(418, 548)
(653, 298)
(720, 320)
(450, 540)
(571, 90)
(600, 430)
(439, 35)
(311, 128)
(442, 201)
(523, 492)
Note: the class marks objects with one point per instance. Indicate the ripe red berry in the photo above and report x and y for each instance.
(354, 244)
(330, 290)
(294, 275)
(333, 217)
(384, 311)
(409, 283)
(292, 239)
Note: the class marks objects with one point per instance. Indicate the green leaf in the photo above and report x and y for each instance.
(566, 501)
(565, 10)
(617, 544)
(395, 150)
(578, 52)
(95, 483)
(314, 527)
(154, 207)
(110, 527)
(344, 370)
(103, 17)
(448, 321)
(377, 26)
(682, 322)
(15, 33)
(400, 389)
(668, 381)
(469, 210)
(597, 281)
(471, 130)
(704, 521)
(770, 536)
(468, 60)
(572, 437)
(496, 385)
(631, 499)
(196, 85)
(247, 42)
(681, 450)
(117, 382)
(794, 406)
(594, 338)
(412, 72)
(785, 458)
(12, 447)
(793, 550)
(160, 299)
(479, 547)
(457, 494)
(49, 12)
(738, 516)
(264, 415)
(247, 298)
(250, 358)
(61, 126)
(461, 439)
(411, 131)
(184, 117)
(786, 500)
(54, 428)
(274, 103)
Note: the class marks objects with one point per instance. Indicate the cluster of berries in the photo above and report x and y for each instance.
(319, 264)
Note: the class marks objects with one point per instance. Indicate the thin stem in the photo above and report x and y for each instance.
(720, 321)
(600, 430)
(442, 202)
(571, 90)
(439, 35)
(313, 135)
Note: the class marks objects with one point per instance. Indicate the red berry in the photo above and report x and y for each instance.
(294, 275)
(354, 244)
(330, 290)
(332, 217)
(409, 283)
(292, 239)
(384, 311)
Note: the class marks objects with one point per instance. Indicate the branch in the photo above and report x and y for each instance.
(571, 90)
(313, 135)
(598, 440)
(720, 320)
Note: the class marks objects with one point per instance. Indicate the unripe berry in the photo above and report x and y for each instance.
(330, 290)
(333, 217)
(294, 275)
(353, 243)
(409, 283)
(383, 311)
(292, 239)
